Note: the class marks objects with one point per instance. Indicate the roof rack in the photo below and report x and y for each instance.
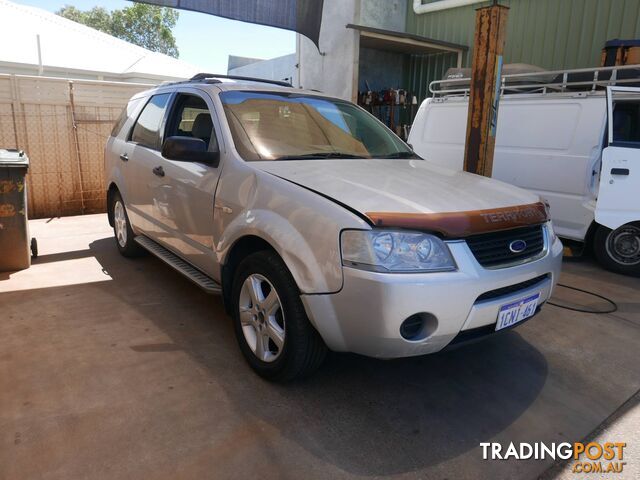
(214, 76)
(578, 80)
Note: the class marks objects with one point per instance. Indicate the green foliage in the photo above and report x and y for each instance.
(149, 26)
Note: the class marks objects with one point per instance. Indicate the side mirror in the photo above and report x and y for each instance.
(187, 149)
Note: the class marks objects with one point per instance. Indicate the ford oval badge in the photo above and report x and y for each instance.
(518, 246)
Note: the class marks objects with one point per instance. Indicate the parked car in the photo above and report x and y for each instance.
(566, 138)
(319, 226)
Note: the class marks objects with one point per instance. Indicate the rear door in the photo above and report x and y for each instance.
(118, 150)
(618, 197)
(142, 153)
(183, 198)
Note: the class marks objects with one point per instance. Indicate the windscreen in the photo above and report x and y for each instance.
(282, 126)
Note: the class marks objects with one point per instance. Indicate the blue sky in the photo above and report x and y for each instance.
(204, 40)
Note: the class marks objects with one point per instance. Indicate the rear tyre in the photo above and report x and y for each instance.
(122, 229)
(271, 325)
(619, 250)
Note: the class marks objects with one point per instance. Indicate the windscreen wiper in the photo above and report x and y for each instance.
(318, 156)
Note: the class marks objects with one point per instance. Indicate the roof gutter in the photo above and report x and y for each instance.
(419, 8)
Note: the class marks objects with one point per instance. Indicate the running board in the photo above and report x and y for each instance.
(196, 276)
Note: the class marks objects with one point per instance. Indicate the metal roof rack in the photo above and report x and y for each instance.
(213, 77)
(578, 80)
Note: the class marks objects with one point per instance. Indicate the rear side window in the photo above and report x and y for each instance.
(626, 122)
(126, 113)
(146, 131)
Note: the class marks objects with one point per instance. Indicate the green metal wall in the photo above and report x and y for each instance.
(424, 69)
(554, 34)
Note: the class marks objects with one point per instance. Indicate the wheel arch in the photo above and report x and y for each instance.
(241, 248)
(590, 236)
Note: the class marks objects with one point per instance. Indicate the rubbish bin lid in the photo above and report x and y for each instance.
(10, 157)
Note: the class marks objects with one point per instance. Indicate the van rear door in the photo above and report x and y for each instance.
(618, 197)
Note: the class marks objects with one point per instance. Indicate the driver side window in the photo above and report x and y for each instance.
(191, 118)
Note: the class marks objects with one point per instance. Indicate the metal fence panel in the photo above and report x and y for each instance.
(63, 126)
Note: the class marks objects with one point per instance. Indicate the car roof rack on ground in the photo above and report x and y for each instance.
(213, 76)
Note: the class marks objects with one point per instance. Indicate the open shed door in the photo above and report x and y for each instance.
(619, 194)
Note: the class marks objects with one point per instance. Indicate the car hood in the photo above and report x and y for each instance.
(399, 186)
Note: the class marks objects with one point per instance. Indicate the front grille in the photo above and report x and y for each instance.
(500, 292)
(492, 249)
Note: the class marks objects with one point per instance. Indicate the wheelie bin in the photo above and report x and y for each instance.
(15, 242)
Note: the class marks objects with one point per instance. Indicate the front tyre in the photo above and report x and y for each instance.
(619, 250)
(271, 325)
(122, 229)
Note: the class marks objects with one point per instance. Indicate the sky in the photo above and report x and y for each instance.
(204, 40)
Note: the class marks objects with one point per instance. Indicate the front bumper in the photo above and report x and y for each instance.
(366, 315)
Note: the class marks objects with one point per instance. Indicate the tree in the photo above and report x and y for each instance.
(148, 26)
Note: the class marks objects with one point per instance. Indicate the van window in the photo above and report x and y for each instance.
(190, 117)
(626, 122)
(146, 131)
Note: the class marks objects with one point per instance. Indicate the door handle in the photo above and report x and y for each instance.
(124, 157)
(224, 208)
(159, 171)
(619, 171)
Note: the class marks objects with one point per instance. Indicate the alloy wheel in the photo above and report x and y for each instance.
(262, 318)
(120, 223)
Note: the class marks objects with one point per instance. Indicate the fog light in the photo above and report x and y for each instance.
(418, 326)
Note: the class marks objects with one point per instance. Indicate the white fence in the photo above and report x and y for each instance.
(62, 125)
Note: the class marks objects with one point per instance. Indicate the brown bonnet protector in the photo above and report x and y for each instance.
(464, 224)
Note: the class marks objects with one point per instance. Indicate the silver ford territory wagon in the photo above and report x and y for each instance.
(320, 227)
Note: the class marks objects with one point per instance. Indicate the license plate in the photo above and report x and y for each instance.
(517, 311)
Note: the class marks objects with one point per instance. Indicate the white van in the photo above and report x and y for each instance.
(571, 140)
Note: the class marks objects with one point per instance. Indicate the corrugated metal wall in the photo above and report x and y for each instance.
(554, 34)
(66, 174)
(424, 69)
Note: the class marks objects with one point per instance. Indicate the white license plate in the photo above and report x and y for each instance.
(517, 311)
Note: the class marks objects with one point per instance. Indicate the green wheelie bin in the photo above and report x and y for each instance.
(15, 243)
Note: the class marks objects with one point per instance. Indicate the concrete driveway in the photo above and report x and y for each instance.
(117, 368)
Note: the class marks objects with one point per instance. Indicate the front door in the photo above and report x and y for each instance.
(183, 198)
(618, 197)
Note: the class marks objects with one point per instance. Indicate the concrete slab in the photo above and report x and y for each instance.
(136, 374)
(621, 426)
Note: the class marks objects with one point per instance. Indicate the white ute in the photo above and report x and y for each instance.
(572, 137)
(319, 226)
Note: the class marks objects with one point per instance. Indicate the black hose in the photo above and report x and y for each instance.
(614, 305)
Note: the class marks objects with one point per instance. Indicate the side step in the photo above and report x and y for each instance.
(196, 276)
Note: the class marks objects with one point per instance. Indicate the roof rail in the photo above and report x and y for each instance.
(583, 79)
(213, 76)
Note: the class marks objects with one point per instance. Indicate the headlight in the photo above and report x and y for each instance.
(389, 251)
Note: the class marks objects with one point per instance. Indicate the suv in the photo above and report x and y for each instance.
(319, 226)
